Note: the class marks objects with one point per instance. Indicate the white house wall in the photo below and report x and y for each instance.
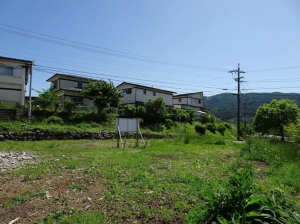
(187, 101)
(69, 84)
(140, 96)
(16, 81)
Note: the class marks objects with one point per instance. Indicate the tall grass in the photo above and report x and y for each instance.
(283, 158)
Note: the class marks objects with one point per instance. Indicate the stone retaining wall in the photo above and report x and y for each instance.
(52, 135)
(12, 114)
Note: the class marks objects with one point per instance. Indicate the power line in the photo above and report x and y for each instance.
(124, 55)
(172, 72)
(49, 68)
(90, 59)
(89, 76)
(93, 73)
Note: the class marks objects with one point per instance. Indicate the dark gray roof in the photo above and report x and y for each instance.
(147, 87)
(72, 76)
(186, 94)
(16, 59)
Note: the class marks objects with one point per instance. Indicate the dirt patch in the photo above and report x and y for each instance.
(13, 160)
(59, 195)
(261, 165)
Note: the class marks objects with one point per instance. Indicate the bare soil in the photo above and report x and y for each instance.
(59, 195)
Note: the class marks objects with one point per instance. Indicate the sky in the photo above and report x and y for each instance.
(182, 46)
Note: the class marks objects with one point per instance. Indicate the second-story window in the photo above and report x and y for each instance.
(144, 91)
(127, 91)
(179, 100)
(79, 85)
(55, 84)
(154, 93)
(6, 70)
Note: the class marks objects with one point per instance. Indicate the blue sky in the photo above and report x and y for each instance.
(183, 46)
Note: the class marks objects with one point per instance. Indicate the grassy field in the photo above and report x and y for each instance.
(94, 182)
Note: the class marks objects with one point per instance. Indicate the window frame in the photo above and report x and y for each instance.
(78, 86)
(4, 70)
(127, 91)
(144, 91)
(77, 101)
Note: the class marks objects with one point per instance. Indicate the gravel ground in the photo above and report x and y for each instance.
(13, 160)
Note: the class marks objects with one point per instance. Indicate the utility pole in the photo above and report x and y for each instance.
(238, 79)
(245, 125)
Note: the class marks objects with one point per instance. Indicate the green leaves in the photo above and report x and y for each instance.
(275, 115)
(46, 98)
(103, 94)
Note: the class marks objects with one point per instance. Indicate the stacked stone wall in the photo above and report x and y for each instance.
(52, 135)
(11, 114)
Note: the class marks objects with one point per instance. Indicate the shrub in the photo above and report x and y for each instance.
(169, 123)
(227, 125)
(200, 129)
(69, 106)
(211, 127)
(53, 120)
(127, 111)
(221, 128)
(220, 142)
(186, 139)
(207, 118)
(140, 112)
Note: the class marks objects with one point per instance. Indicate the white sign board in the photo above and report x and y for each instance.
(127, 124)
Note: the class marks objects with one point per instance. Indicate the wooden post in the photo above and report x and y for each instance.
(137, 133)
(118, 137)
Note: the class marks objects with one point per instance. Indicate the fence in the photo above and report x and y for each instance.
(9, 104)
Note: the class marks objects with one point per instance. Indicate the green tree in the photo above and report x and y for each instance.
(156, 111)
(104, 94)
(275, 116)
(127, 111)
(69, 106)
(46, 98)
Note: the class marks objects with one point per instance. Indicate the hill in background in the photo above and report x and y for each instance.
(224, 106)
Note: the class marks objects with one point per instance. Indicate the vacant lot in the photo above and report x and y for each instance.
(93, 182)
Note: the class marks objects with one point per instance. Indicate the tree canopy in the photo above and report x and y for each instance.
(275, 116)
(46, 98)
(103, 94)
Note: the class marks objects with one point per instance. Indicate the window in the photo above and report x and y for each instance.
(154, 93)
(79, 85)
(127, 91)
(55, 84)
(197, 101)
(6, 70)
(179, 100)
(77, 99)
(144, 91)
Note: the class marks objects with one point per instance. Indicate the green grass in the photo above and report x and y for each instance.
(79, 186)
(161, 183)
(283, 158)
(17, 126)
(25, 196)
